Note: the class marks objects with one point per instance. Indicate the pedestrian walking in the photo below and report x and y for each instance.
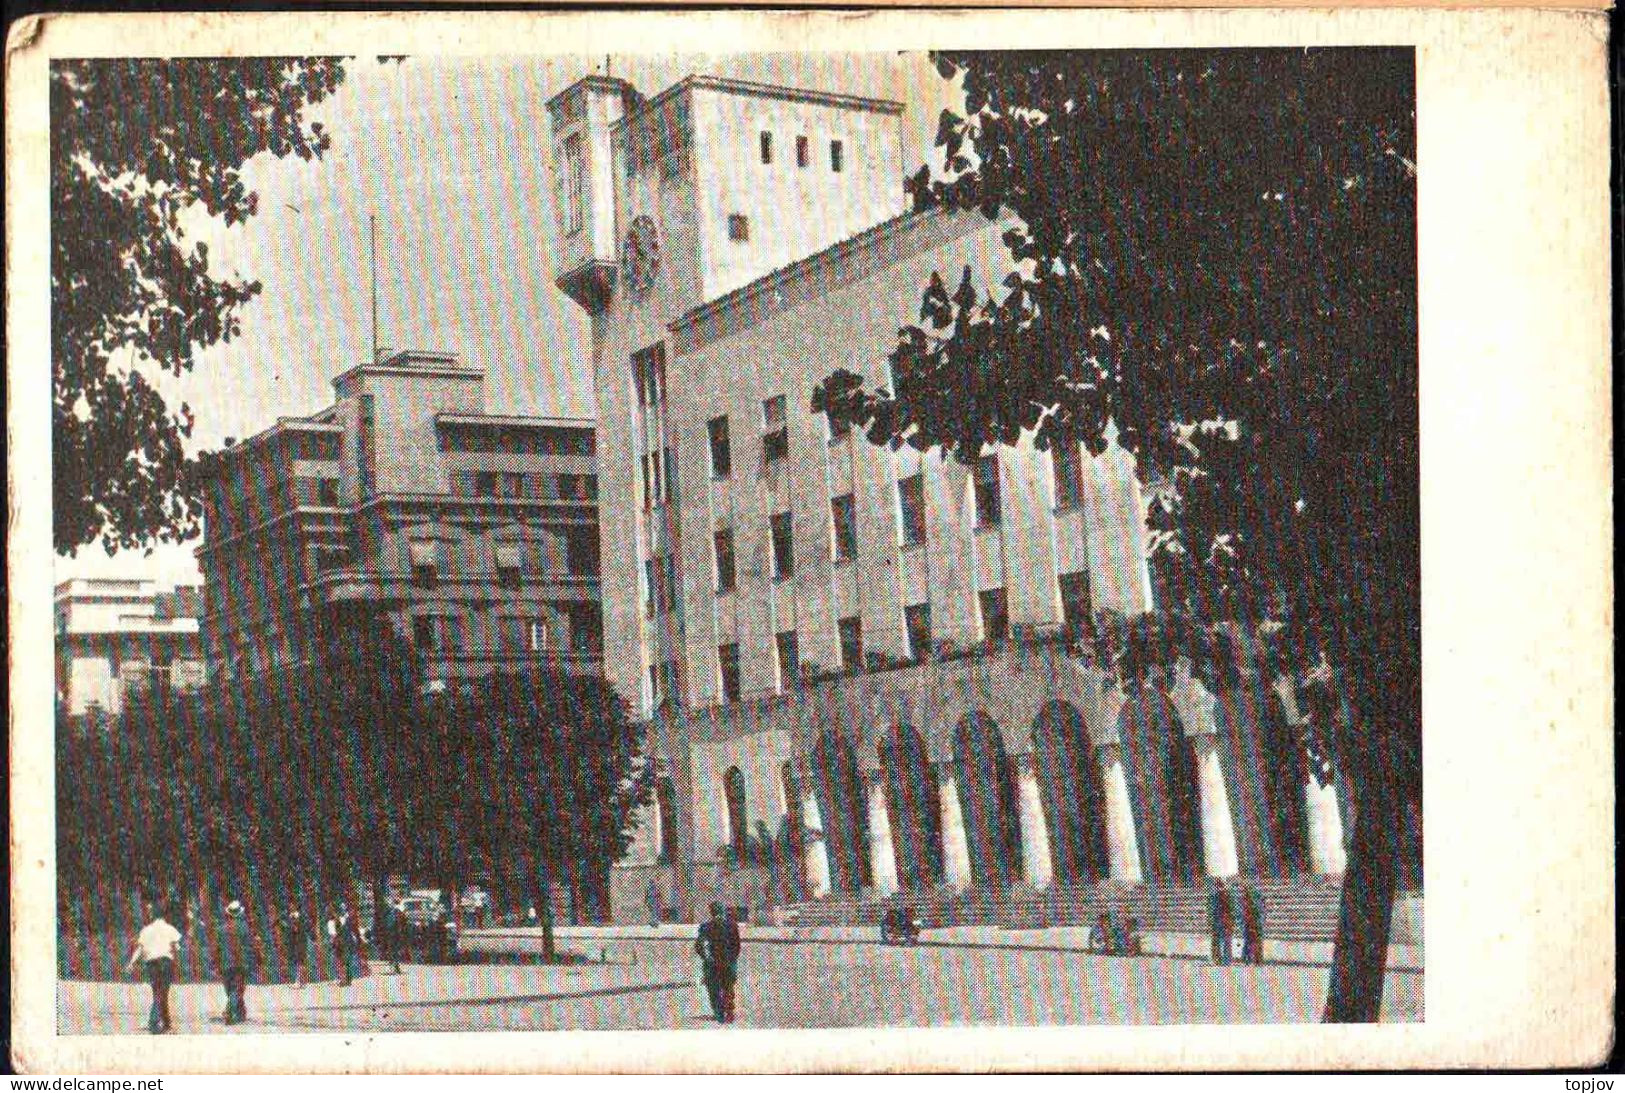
(295, 945)
(235, 956)
(1221, 921)
(392, 939)
(1252, 925)
(718, 945)
(156, 947)
(345, 937)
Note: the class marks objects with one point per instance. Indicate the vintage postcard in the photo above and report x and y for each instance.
(820, 541)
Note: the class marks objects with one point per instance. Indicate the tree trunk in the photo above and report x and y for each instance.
(1367, 906)
(544, 887)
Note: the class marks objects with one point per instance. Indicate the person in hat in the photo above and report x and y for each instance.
(296, 944)
(236, 959)
(345, 935)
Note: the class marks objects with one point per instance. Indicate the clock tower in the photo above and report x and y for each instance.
(663, 205)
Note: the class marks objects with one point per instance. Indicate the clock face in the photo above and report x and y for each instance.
(640, 255)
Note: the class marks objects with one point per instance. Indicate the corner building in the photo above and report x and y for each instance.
(882, 655)
(476, 534)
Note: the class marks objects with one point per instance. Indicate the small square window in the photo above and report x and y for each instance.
(739, 228)
(836, 156)
(802, 152)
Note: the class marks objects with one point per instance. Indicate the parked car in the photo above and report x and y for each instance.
(431, 933)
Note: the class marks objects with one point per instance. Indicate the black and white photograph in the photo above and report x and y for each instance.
(739, 539)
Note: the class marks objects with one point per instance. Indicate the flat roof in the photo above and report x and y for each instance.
(513, 421)
(764, 91)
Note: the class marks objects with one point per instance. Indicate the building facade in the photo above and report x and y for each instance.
(882, 653)
(115, 638)
(476, 533)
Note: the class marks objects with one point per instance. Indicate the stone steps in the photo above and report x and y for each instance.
(1303, 909)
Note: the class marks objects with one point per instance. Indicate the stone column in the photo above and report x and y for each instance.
(1037, 868)
(955, 849)
(815, 852)
(882, 853)
(1218, 827)
(1325, 822)
(1121, 842)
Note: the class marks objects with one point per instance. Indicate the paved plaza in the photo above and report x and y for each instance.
(651, 985)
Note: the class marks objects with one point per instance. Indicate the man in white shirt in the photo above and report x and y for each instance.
(156, 947)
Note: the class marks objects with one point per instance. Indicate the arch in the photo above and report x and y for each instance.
(1285, 775)
(840, 797)
(666, 818)
(987, 795)
(1074, 799)
(911, 800)
(733, 796)
(1162, 779)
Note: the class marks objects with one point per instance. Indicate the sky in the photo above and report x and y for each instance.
(452, 157)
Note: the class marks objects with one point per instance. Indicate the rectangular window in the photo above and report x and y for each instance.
(724, 542)
(536, 636)
(327, 491)
(766, 143)
(485, 484)
(843, 523)
(572, 182)
(1076, 606)
(739, 228)
(668, 583)
(784, 547)
(917, 619)
(802, 153)
(851, 643)
(836, 157)
(437, 633)
(788, 648)
(988, 503)
(649, 373)
(911, 509)
(651, 586)
(663, 683)
(995, 614)
(1067, 465)
(728, 661)
(722, 462)
(775, 433)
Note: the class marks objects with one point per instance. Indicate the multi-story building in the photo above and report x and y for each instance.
(476, 533)
(115, 637)
(874, 648)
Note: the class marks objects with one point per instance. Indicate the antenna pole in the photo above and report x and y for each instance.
(372, 261)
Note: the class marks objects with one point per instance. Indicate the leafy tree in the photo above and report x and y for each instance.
(135, 145)
(543, 771)
(1213, 252)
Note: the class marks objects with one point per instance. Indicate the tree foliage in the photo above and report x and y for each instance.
(135, 145)
(540, 772)
(1213, 252)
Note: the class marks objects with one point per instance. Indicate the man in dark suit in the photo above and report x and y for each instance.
(1252, 925)
(718, 946)
(1221, 921)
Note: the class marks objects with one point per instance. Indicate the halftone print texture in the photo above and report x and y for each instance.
(956, 515)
